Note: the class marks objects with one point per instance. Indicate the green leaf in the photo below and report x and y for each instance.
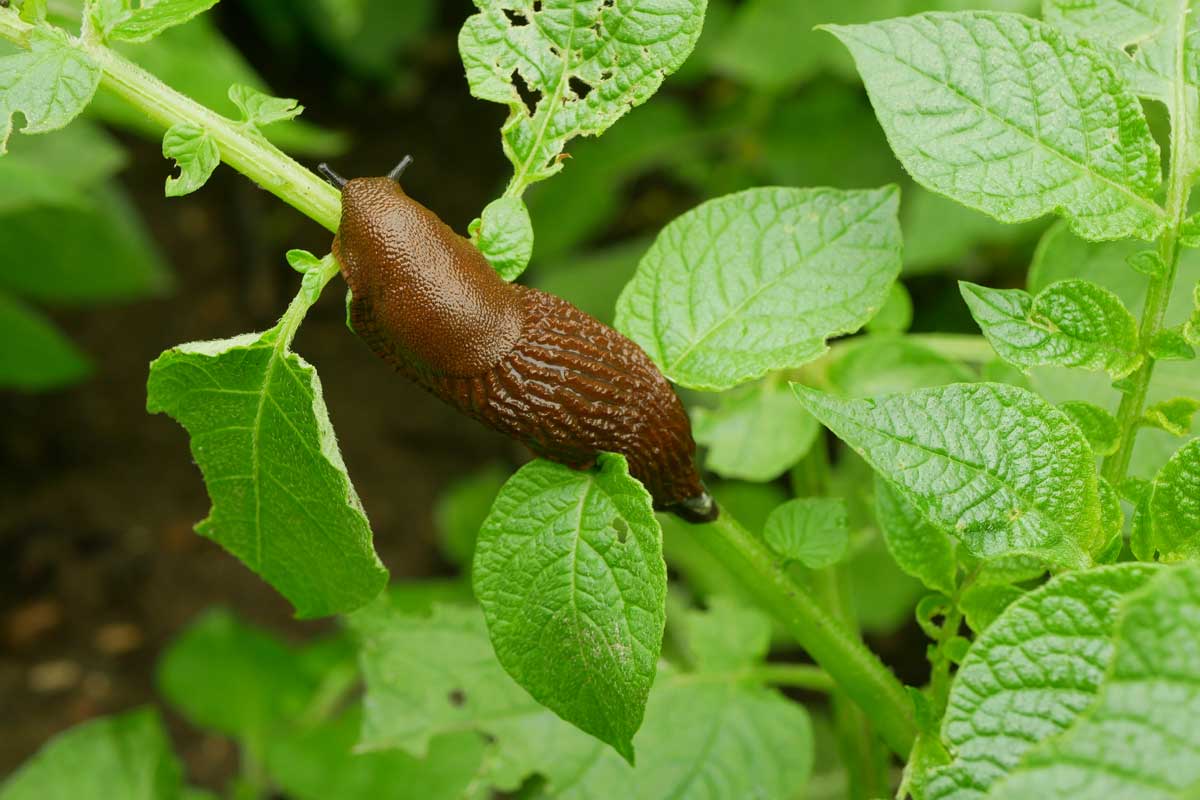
(149, 19)
(896, 314)
(33, 11)
(757, 281)
(57, 168)
(98, 252)
(995, 465)
(429, 675)
(873, 365)
(1173, 416)
(320, 763)
(49, 84)
(1112, 518)
(1138, 738)
(1174, 506)
(461, 510)
(260, 109)
(1098, 426)
(34, 355)
(234, 679)
(570, 574)
(1047, 651)
(756, 433)
(1070, 323)
(1171, 345)
(981, 604)
(1148, 263)
(920, 549)
(282, 500)
(121, 756)
(584, 65)
(968, 119)
(504, 234)
(195, 152)
(1191, 328)
(811, 530)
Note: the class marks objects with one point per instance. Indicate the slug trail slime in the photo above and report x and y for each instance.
(519, 360)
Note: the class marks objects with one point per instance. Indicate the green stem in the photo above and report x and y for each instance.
(793, 676)
(1158, 293)
(939, 679)
(242, 147)
(854, 668)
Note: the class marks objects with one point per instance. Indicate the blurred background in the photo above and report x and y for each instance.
(100, 273)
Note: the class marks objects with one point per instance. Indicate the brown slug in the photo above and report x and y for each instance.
(519, 360)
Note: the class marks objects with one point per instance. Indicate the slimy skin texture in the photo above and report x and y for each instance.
(519, 360)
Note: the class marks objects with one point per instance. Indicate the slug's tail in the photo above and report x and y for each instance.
(698, 509)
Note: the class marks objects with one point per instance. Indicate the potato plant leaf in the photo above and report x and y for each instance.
(567, 68)
(34, 354)
(921, 549)
(195, 152)
(812, 530)
(49, 84)
(969, 116)
(993, 464)
(1071, 323)
(121, 756)
(260, 109)
(504, 234)
(758, 280)
(1138, 739)
(1098, 426)
(427, 675)
(282, 499)
(1173, 416)
(1174, 506)
(756, 432)
(570, 573)
(122, 20)
(1048, 650)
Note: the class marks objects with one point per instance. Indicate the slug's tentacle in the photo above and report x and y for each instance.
(337, 181)
(398, 170)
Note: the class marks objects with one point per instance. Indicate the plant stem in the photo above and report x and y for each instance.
(793, 676)
(242, 147)
(1158, 293)
(854, 668)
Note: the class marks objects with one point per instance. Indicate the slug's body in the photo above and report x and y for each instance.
(522, 361)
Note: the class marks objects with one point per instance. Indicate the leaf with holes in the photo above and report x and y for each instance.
(1138, 739)
(580, 64)
(1072, 323)
(49, 84)
(196, 153)
(757, 281)
(1029, 675)
(120, 20)
(1008, 115)
(756, 433)
(993, 464)
(282, 500)
(569, 571)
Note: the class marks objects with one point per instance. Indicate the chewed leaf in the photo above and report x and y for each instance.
(123, 22)
(282, 499)
(195, 152)
(570, 573)
(50, 84)
(570, 68)
(260, 109)
(1008, 115)
(758, 280)
(1072, 323)
(995, 465)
